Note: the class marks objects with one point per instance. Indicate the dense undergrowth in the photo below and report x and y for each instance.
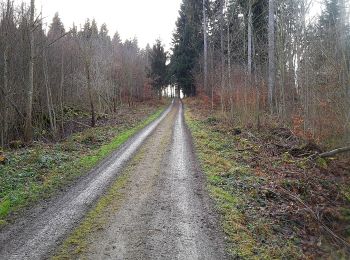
(275, 202)
(35, 173)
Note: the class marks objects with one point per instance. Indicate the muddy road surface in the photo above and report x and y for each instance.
(165, 212)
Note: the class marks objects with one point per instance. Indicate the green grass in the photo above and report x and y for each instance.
(78, 242)
(105, 150)
(235, 188)
(38, 172)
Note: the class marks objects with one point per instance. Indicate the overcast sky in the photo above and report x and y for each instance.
(145, 19)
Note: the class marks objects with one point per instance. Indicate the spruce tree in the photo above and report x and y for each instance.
(188, 45)
(158, 68)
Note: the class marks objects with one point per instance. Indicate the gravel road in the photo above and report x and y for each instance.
(165, 214)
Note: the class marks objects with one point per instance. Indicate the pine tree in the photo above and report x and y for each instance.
(330, 17)
(188, 45)
(56, 28)
(158, 70)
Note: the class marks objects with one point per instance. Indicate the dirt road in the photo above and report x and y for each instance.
(165, 213)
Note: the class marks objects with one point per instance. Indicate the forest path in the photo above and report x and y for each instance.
(165, 212)
(38, 232)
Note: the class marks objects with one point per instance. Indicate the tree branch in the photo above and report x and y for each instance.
(335, 152)
(12, 103)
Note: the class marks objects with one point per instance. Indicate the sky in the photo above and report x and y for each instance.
(147, 20)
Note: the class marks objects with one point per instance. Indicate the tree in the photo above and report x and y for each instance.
(68, 70)
(28, 131)
(88, 36)
(205, 39)
(271, 81)
(188, 45)
(158, 68)
(54, 71)
(7, 24)
(250, 38)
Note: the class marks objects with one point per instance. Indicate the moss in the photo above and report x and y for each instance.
(236, 192)
(287, 158)
(303, 163)
(3, 223)
(5, 207)
(77, 243)
(322, 163)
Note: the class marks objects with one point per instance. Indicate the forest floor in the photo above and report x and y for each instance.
(275, 201)
(29, 174)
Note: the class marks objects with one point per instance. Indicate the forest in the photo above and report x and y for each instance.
(269, 95)
(266, 60)
(262, 61)
(231, 143)
(48, 71)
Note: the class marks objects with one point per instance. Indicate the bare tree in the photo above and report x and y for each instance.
(205, 47)
(250, 38)
(271, 82)
(222, 55)
(4, 123)
(28, 131)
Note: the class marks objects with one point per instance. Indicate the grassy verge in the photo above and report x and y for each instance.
(35, 173)
(234, 187)
(275, 202)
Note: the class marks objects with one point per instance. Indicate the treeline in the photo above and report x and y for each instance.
(46, 71)
(268, 60)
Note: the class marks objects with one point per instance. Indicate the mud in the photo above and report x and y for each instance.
(37, 234)
(166, 213)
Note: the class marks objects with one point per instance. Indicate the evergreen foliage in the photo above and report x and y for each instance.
(158, 68)
(188, 46)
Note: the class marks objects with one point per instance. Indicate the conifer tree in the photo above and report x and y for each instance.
(158, 70)
(188, 45)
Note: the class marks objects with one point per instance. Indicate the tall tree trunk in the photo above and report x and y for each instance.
(4, 123)
(271, 51)
(115, 93)
(230, 82)
(250, 37)
(92, 107)
(301, 85)
(212, 74)
(222, 54)
(229, 53)
(205, 49)
(52, 116)
(28, 130)
(4, 133)
(62, 90)
(345, 73)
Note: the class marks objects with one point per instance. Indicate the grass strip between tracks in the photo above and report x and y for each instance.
(78, 242)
